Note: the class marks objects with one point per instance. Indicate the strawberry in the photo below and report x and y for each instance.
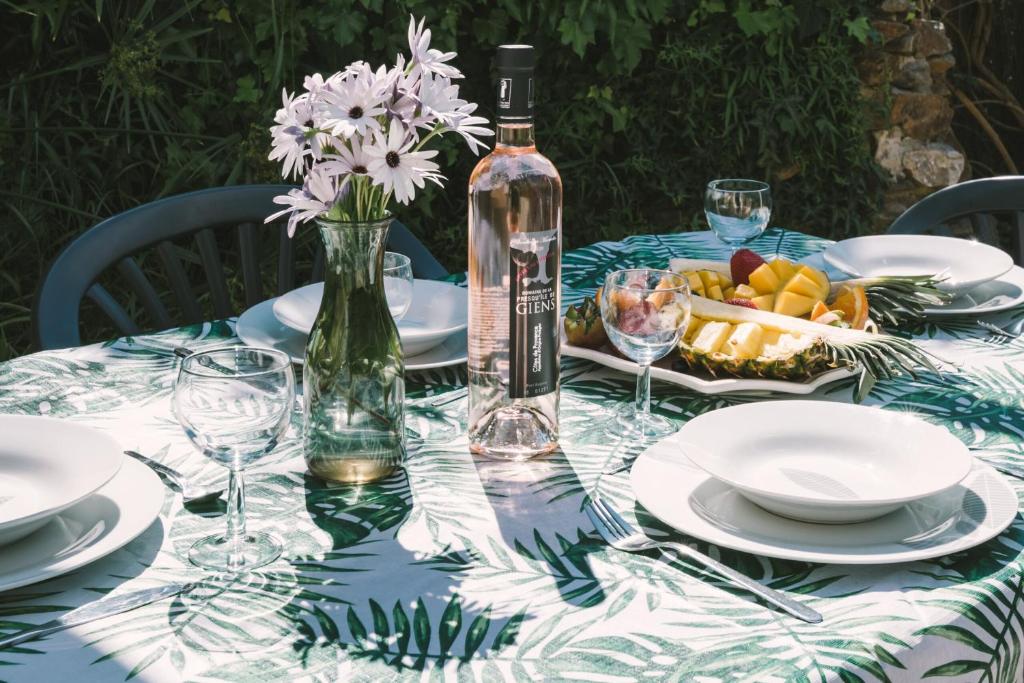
(743, 263)
(742, 302)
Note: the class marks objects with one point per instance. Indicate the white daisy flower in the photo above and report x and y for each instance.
(398, 169)
(318, 195)
(430, 60)
(350, 157)
(469, 126)
(351, 106)
(439, 101)
(291, 135)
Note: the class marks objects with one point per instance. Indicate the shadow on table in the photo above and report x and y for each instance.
(536, 507)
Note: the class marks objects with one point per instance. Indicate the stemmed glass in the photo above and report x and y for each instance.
(645, 312)
(234, 405)
(737, 210)
(397, 283)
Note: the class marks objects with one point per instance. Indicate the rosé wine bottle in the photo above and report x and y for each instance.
(515, 247)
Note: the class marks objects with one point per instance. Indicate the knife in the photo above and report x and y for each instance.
(97, 610)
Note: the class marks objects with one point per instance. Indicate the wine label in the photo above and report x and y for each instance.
(533, 313)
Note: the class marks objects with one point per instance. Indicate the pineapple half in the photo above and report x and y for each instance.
(735, 340)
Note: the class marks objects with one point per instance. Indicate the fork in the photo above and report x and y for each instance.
(190, 493)
(620, 535)
(995, 329)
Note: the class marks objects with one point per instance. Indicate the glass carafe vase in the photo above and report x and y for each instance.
(353, 379)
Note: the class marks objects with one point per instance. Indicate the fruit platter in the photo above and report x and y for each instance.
(775, 325)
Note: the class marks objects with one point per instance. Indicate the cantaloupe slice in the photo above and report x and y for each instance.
(765, 302)
(803, 285)
(796, 305)
(764, 279)
(783, 268)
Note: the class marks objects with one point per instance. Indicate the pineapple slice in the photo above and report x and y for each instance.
(715, 292)
(711, 337)
(724, 281)
(696, 284)
(769, 338)
(765, 302)
(693, 328)
(744, 342)
(709, 278)
(804, 286)
(783, 268)
(764, 279)
(729, 293)
(745, 292)
(796, 305)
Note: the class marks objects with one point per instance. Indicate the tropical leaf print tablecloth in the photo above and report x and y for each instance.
(462, 569)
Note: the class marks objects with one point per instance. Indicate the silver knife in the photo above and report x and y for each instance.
(97, 610)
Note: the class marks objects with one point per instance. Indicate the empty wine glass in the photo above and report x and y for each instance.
(397, 283)
(737, 210)
(234, 405)
(645, 313)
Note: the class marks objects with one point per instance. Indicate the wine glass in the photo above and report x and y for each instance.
(397, 283)
(645, 312)
(234, 405)
(737, 210)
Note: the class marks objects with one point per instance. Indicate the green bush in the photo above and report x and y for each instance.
(109, 104)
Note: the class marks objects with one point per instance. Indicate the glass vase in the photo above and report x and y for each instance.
(354, 376)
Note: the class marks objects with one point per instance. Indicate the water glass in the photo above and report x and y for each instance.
(645, 312)
(397, 283)
(234, 404)
(737, 210)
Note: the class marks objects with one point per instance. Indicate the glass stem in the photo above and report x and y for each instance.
(236, 518)
(643, 396)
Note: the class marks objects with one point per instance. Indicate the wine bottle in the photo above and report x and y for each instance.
(515, 244)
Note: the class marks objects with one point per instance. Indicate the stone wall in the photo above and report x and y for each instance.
(904, 75)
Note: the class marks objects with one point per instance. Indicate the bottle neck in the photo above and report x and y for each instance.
(519, 134)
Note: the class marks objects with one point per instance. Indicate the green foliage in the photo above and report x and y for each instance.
(107, 105)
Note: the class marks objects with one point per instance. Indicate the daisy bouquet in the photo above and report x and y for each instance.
(357, 138)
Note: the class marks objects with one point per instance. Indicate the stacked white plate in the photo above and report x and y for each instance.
(67, 497)
(823, 482)
(982, 277)
(433, 331)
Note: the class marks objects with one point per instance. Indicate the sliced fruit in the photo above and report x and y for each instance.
(745, 292)
(709, 278)
(741, 302)
(692, 328)
(714, 292)
(765, 302)
(724, 282)
(803, 285)
(783, 268)
(660, 296)
(712, 336)
(744, 342)
(696, 284)
(583, 325)
(824, 285)
(742, 264)
(729, 293)
(796, 305)
(819, 310)
(853, 302)
(764, 279)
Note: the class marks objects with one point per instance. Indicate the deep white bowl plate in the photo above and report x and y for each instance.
(690, 500)
(825, 462)
(258, 326)
(708, 385)
(47, 465)
(438, 310)
(97, 526)
(964, 263)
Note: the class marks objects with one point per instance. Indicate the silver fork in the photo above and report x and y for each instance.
(995, 329)
(619, 534)
(190, 493)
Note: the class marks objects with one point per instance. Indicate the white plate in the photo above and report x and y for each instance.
(1001, 294)
(965, 263)
(708, 385)
(47, 465)
(822, 461)
(688, 499)
(258, 326)
(94, 528)
(438, 310)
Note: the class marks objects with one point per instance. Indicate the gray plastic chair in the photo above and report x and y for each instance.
(199, 215)
(973, 199)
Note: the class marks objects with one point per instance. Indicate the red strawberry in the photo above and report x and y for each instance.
(743, 263)
(742, 302)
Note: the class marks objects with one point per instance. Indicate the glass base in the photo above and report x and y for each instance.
(218, 554)
(654, 426)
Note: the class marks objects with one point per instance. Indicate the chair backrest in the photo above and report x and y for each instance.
(975, 200)
(200, 216)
